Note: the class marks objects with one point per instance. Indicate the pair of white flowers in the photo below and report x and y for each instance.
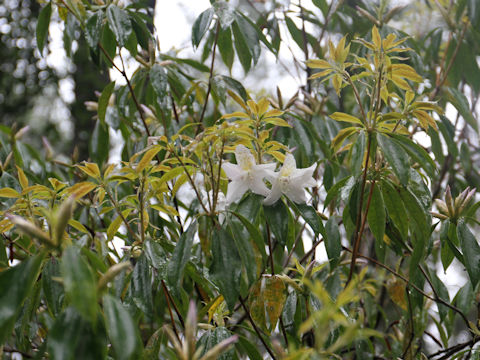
(248, 175)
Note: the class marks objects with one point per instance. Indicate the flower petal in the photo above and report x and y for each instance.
(274, 195)
(257, 185)
(232, 171)
(235, 191)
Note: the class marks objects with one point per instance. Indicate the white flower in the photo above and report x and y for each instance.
(246, 175)
(290, 181)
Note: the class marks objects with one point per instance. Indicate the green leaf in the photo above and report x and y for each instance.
(119, 22)
(459, 100)
(254, 233)
(103, 101)
(376, 217)
(396, 157)
(181, 255)
(471, 252)
(333, 243)
(225, 45)
(236, 86)
(93, 29)
(109, 44)
(241, 238)
(201, 25)
(141, 286)
(17, 284)
(226, 266)
(335, 190)
(79, 282)
(42, 26)
(311, 216)
(213, 337)
(250, 35)
(442, 292)
(63, 336)
(416, 213)
(295, 32)
(358, 153)
(159, 80)
(121, 328)
(100, 143)
(417, 153)
(241, 47)
(395, 207)
(52, 289)
(277, 218)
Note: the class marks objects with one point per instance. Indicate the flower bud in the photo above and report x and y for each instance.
(64, 214)
(30, 229)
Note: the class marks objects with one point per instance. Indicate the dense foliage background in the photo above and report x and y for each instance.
(133, 214)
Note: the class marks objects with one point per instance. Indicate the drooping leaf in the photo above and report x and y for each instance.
(121, 329)
(119, 22)
(201, 25)
(42, 26)
(396, 157)
(17, 284)
(277, 218)
(93, 29)
(103, 101)
(471, 251)
(141, 286)
(333, 243)
(226, 266)
(213, 337)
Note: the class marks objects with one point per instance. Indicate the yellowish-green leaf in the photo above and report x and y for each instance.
(147, 157)
(339, 116)
(78, 225)
(318, 64)
(9, 193)
(22, 178)
(115, 224)
(377, 40)
(273, 113)
(81, 189)
(263, 105)
(342, 136)
(91, 169)
(237, 114)
(277, 121)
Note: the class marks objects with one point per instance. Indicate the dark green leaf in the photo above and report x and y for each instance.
(225, 45)
(141, 286)
(100, 143)
(16, 283)
(241, 238)
(396, 157)
(311, 216)
(471, 252)
(241, 48)
(42, 25)
(250, 35)
(119, 22)
(52, 289)
(213, 337)
(64, 335)
(121, 328)
(201, 25)
(377, 218)
(180, 257)
(254, 233)
(79, 282)
(335, 189)
(277, 218)
(442, 292)
(104, 99)
(417, 153)
(226, 266)
(333, 243)
(93, 29)
(395, 207)
(459, 100)
(236, 86)
(159, 80)
(416, 213)
(358, 151)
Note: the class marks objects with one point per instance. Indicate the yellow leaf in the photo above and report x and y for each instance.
(396, 291)
(237, 114)
(342, 136)
(22, 178)
(339, 116)
(56, 184)
(319, 64)
(377, 40)
(91, 169)
(263, 105)
(405, 71)
(253, 106)
(273, 113)
(147, 157)
(237, 99)
(115, 224)
(9, 193)
(277, 121)
(321, 74)
(214, 307)
(81, 189)
(78, 225)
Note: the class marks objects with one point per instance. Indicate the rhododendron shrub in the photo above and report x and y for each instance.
(239, 224)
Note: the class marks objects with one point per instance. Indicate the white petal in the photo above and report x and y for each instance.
(274, 195)
(258, 186)
(289, 165)
(232, 171)
(235, 191)
(296, 194)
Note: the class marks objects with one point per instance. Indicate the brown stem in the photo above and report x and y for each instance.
(167, 298)
(359, 215)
